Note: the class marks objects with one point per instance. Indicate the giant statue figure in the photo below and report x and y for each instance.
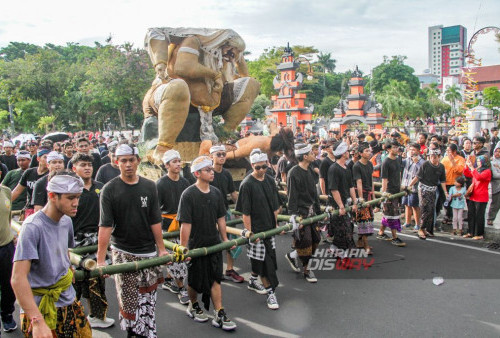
(199, 73)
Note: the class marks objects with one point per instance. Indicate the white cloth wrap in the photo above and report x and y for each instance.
(342, 148)
(200, 164)
(125, 149)
(189, 50)
(65, 184)
(304, 150)
(8, 144)
(170, 155)
(207, 131)
(258, 157)
(216, 148)
(23, 155)
(54, 155)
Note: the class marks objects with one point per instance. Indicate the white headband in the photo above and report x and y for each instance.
(170, 155)
(434, 152)
(125, 149)
(200, 163)
(342, 148)
(214, 149)
(23, 154)
(304, 150)
(257, 156)
(54, 155)
(65, 184)
(112, 143)
(8, 144)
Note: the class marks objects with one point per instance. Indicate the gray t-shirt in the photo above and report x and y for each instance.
(45, 243)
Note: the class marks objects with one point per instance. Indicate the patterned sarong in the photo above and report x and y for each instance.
(71, 322)
(136, 293)
(364, 217)
(427, 197)
(391, 214)
(306, 240)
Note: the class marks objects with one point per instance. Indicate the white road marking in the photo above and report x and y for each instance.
(449, 243)
(265, 329)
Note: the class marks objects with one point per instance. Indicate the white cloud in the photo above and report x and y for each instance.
(355, 32)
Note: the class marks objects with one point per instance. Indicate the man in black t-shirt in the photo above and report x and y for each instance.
(29, 178)
(258, 201)
(224, 182)
(202, 215)
(170, 187)
(324, 166)
(83, 146)
(85, 227)
(109, 170)
(391, 184)
(39, 197)
(68, 153)
(131, 218)
(9, 158)
(341, 188)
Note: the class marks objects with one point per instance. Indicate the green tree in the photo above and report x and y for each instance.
(258, 109)
(396, 101)
(394, 69)
(491, 97)
(453, 95)
(46, 123)
(327, 105)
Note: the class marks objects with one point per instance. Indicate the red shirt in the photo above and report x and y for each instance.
(480, 182)
(422, 149)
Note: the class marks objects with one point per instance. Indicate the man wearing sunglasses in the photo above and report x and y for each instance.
(224, 182)
(478, 146)
(258, 202)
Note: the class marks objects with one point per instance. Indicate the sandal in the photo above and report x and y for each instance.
(467, 236)
(477, 238)
(421, 236)
(429, 234)
(490, 222)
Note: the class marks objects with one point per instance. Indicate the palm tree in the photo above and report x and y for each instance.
(327, 65)
(453, 95)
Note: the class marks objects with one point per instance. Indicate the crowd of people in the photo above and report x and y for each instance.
(86, 191)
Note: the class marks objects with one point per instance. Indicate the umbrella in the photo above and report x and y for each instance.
(56, 137)
(23, 138)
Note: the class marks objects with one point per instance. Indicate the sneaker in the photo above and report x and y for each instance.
(9, 325)
(256, 286)
(183, 296)
(100, 323)
(398, 242)
(383, 237)
(416, 228)
(310, 277)
(221, 320)
(234, 276)
(171, 286)
(194, 311)
(407, 226)
(272, 302)
(294, 264)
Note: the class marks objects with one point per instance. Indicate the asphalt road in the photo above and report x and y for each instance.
(395, 296)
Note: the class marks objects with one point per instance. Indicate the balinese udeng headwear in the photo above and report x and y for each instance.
(125, 150)
(8, 144)
(257, 156)
(42, 152)
(54, 155)
(434, 152)
(170, 155)
(65, 184)
(301, 149)
(23, 154)
(341, 149)
(201, 162)
(214, 149)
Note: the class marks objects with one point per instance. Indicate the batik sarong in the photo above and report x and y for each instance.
(427, 197)
(306, 240)
(364, 217)
(391, 214)
(136, 293)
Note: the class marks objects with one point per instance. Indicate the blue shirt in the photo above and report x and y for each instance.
(457, 202)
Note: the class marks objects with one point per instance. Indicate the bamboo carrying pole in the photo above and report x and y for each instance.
(148, 263)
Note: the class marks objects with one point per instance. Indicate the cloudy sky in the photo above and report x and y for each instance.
(356, 32)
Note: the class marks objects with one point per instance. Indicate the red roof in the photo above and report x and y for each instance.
(487, 76)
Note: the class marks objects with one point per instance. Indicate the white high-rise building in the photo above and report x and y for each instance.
(446, 50)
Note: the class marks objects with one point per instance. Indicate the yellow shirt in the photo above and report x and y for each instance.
(452, 172)
(6, 235)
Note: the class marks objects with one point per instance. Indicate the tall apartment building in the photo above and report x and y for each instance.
(446, 50)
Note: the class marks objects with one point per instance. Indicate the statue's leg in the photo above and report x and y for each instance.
(172, 113)
(245, 91)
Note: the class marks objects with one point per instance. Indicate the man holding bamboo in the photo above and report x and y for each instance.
(202, 217)
(258, 202)
(131, 219)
